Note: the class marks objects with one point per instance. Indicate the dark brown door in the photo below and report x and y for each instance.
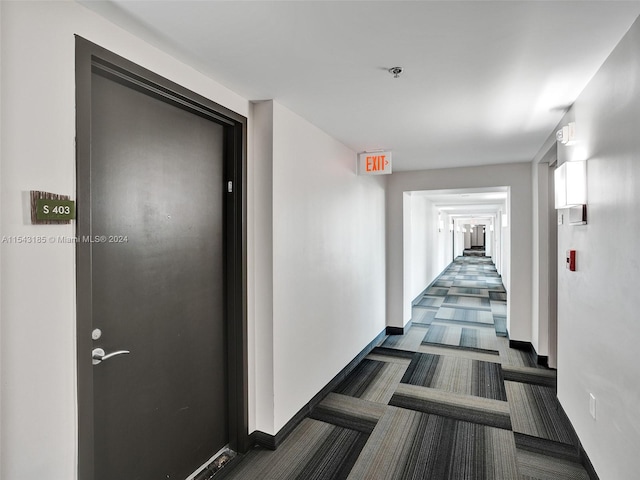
(157, 275)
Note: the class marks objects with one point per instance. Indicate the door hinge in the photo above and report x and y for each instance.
(230, 186)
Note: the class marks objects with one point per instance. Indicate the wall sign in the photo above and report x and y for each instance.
(51, 208)
(55, 209)
(374, 163)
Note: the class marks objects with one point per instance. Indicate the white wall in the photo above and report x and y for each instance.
(1, 369)
(506, 258)
(552, 271)
(540, 259)
(260, 277)
(489, 241)
(440, 249)
(598, 326)
(38, 398)
(427, 248)
(544, 282)
(459, 241)
(328, 260)
(467, 236)
(498, 252)
(316, 244)
(444, 246)
(419, 242)
(517, 235)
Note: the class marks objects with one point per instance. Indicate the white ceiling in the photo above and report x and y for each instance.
(469, 205)
(484, 82)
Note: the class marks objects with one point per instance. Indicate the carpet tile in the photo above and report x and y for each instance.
(429, 301)
(534, 466)
(464, 301)
(548, 448)
(465, 315)
(497, 289)
(448, 400)
(484, 411)
(424, 316)
(498, 296)
(512, 356)
(474, 337)
(437, 291)
(393, 352)
(455, 374)
(314, 450)
(532, 375)
(469, 291)
(413, 445)
(372, 380)
(498, 307)
(409, 341)
(448, 350)
(349, 412)
(534, 412)
(360, 379)
(470, 284)
(500, 325)
(442, 283)
(389, 358)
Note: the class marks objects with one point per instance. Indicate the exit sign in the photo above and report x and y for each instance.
(374, 163)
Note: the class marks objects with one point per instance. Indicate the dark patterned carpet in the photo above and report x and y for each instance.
(447, 400)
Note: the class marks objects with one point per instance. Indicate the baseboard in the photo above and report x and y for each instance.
(395, 331)
(520, 345)
(542, 360)
(272, 442)
(263, 440)
(399, 330)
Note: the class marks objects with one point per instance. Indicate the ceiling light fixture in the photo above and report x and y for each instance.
(395, 71)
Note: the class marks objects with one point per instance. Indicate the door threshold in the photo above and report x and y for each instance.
(213, 465)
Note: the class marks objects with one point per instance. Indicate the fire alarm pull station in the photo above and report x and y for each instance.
(571, 260)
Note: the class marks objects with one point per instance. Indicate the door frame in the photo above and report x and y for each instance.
(90, 56)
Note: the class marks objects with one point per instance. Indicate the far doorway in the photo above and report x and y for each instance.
(477, 237)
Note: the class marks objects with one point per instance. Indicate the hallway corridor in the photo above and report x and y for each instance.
(447, 400)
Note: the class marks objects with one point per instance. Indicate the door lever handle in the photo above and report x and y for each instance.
(98, 355)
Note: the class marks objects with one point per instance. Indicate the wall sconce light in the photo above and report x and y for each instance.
(451, 226)
(571, 184)
(491, 227)
(571, 190)
(464, 229)
(440, 223)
